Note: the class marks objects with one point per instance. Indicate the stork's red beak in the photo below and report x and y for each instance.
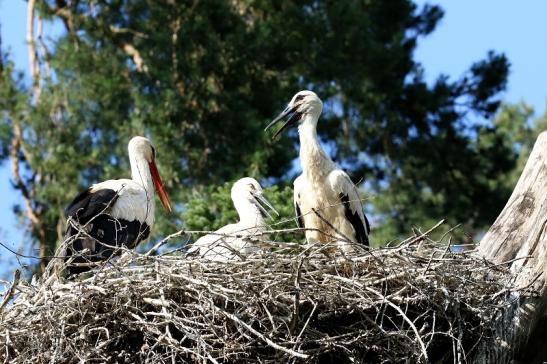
(164, 197)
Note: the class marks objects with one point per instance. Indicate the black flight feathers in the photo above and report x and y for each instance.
(88, 204)
(298, 212)
(97, 233)
(361, 231)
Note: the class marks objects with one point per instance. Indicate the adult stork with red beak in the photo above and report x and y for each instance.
(325, 199)
(114, 213)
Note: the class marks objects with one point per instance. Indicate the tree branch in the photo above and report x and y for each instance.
(15, 147)
(26, 192)
(43, 48)
(32, 55)
(132, 52)
(519, 236)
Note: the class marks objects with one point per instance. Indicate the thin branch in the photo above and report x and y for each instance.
(15, 147)
(11, 291)
(262, 337)
(132, 52)
(43, 48)
(32, 55)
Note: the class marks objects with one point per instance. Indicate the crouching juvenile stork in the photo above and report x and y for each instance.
(325, 198)
(114, 213)
(232, 241)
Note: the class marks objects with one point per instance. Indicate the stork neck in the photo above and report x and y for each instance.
(315, 162)
(249, 214)
(140, 173)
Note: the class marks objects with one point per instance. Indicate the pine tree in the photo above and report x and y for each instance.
(202, 79)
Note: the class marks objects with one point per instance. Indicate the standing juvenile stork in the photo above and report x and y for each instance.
(232, 240)
(115, 212)
(325, 198)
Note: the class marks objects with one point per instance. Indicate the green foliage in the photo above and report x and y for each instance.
(212, 208)
(202, 79)
(518, 129)
(496, 154)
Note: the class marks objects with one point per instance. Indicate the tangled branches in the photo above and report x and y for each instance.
(292, 303)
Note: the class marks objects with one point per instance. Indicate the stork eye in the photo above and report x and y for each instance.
(252, 187)
(298, 98)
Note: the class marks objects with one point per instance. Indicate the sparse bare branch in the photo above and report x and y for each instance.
(32, 54)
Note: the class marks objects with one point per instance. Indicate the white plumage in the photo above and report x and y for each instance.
(325, 198)
(114, 212)
(134, 201)
(233, 241)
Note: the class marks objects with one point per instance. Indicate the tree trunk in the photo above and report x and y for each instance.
(519, 237)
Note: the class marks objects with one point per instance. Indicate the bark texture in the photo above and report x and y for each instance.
(519, 237)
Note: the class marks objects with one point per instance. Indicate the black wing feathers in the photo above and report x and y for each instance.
(96, 233)
(298, 213)
(361, 232)
(367, 225)
(88, 204)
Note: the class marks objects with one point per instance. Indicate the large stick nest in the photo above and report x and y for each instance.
(416, 302)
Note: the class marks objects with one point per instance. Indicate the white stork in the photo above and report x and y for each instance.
(325, 198)
(115, 212)
(231, 240)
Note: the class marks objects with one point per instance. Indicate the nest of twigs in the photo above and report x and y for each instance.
(417, 302)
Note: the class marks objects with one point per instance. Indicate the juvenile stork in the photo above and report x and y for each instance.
(232, 240)
(115, 212)
(325, 198)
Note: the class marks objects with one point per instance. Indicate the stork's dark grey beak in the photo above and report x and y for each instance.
(294, 117)
(262, 200)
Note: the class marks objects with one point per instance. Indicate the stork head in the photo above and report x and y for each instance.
(302, 104)
(249, 190)
(140, 148)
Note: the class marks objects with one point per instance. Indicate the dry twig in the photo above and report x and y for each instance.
(409, 303)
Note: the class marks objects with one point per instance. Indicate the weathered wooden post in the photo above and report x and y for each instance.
(518, 237)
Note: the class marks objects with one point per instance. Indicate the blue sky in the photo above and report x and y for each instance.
(468, 30)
